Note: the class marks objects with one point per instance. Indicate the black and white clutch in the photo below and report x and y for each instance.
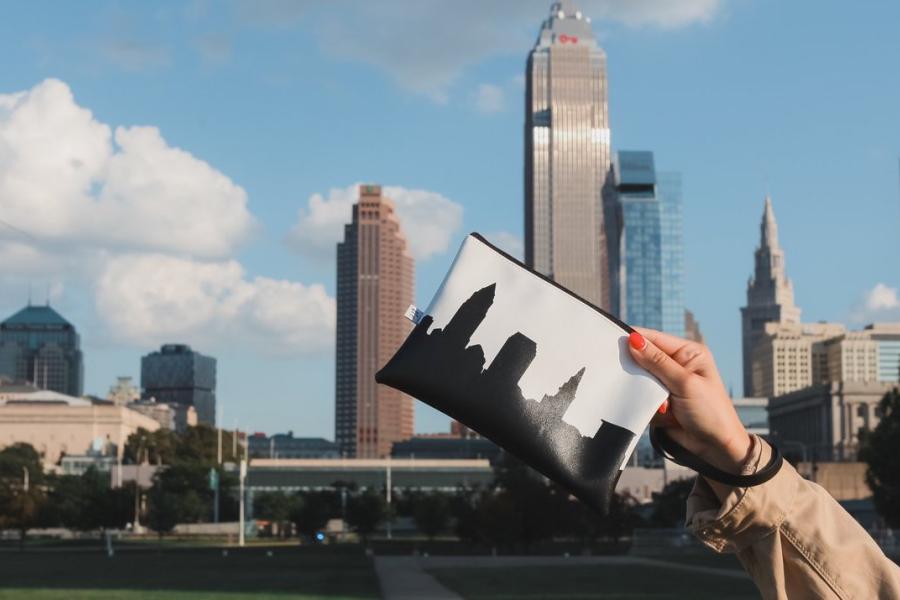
(530, 365)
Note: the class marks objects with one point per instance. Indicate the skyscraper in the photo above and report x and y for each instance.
(181, 377)
(37, 344)
(649, 274)
(374, 289)
(770, 294)
(567, 156)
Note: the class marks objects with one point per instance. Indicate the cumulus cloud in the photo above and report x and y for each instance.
(150, 298)
(68, 180)
(510, 243)
(426, 45)
(881, 303)
(488, 98)
(428, 219)
(147, 230)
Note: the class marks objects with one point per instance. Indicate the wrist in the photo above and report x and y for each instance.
(732, 455)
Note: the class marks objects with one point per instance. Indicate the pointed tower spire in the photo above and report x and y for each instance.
(770, 294)
(769, 227)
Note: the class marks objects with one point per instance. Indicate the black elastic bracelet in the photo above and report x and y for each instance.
(677, 453)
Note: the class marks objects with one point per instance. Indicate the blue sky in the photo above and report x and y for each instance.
(275, 102)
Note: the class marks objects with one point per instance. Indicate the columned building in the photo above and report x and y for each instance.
(374, 289)
(38, 345)
(567, 155)
(770, 295)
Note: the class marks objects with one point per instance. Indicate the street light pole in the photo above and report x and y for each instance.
(25, 478)
(243, 474)
(388, 496)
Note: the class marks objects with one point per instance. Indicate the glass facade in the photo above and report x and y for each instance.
(38, 345)
(177, 375)
(650, 271)
(889, 360)
(567, 155)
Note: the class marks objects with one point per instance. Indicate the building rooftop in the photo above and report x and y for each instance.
(36, 315)
(18, 393)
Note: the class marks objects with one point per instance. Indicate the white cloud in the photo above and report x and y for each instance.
(488, 98)
(881, 303)
(149, 299)
(428, 219)
(68, 181)
(510, 243)
(144, 230)
(426, 45)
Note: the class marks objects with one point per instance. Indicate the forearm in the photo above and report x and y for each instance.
(792, 537)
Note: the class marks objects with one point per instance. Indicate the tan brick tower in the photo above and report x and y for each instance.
(375, 277)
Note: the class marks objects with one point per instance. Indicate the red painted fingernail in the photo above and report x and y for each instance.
(637, 341)
(663, 408)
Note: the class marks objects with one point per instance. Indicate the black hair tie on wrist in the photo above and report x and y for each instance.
(678, 454)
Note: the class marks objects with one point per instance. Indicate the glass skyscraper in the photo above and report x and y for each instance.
(179, 376)
(649, 275)
(37, 344)
(567, 155)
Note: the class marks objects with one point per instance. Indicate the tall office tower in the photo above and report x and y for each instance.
(770, 294)
(178, 376)
(567, 156)
(650, 272)
(374, 289)
(692, 327)
(785, 357)
(38, 345)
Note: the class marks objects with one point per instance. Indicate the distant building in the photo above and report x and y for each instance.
(770, 296)
(790, 357)
(692, 328)
(869, 355)
(783, 358)
(753, 413)
(824, 421)
(179, 376)
(650, 273)
(567, 155)
(58, 425)
(38, 345)
(446, 447)
(374, 289)
(123, 392)
(176, 417)
(285, 445)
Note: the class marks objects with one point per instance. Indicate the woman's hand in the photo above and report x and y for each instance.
(699, 415)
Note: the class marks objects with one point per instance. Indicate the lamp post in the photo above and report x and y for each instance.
(243, 474)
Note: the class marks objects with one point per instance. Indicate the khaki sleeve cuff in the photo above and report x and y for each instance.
(746, 515)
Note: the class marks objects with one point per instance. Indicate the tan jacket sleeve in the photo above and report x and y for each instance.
(792, 537)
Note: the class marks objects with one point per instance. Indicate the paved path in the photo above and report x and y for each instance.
(405, 577)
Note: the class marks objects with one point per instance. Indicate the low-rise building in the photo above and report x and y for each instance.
(285, 445)
(823, 422)
(57, 425)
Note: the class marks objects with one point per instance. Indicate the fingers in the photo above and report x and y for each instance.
(691, 355)
(646, 354)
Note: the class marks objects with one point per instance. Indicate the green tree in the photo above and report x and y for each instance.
(880, 450)
(365, 511)
(276, 507)
(155, 447)
(670, 505)
(310, 512)
(163, 509)
(431, 513)
(87, 502)
(21, 505)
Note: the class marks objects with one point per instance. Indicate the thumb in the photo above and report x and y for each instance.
(646, 354)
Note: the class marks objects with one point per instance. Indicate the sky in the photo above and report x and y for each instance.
(179, 172)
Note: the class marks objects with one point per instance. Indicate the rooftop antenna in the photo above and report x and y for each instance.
(29, 294)
(48, 294)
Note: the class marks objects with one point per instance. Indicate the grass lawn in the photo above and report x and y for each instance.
(193, 574)
(589, 582)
